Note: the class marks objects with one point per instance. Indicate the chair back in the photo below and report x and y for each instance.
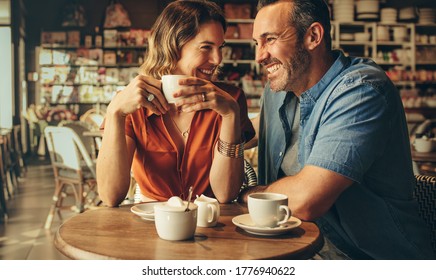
(67, 150)
(94, 117)
(80, 127)
(250, 178)
(425, 193)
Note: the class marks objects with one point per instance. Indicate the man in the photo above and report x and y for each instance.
(332, 136)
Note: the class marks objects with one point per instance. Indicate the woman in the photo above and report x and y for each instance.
(199, 141)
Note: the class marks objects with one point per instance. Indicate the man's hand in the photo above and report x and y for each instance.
(243, 195)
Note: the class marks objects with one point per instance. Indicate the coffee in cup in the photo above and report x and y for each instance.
(170, 84)
(208, 211)
(268, 209)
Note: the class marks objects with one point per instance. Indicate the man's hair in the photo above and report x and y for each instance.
(179, 23)
(304, 13)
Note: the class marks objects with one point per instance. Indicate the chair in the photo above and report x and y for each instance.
(250, 175)
(72, 166)
(3, 185)
(426, 128)
(425, 193)
(20, 166)
(80, 127)
(94, 117)
(8, 172)
(250, 178)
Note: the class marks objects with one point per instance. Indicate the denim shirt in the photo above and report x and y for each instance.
(352, 122)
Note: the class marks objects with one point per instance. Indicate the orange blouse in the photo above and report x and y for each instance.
(156, 161)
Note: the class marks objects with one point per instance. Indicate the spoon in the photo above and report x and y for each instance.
(189, 199)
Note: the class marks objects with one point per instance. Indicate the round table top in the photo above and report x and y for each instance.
(117, 233)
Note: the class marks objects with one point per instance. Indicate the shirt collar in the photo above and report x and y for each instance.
(337, 67)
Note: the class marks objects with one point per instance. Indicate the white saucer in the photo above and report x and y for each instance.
(245, 222)
(145, 210)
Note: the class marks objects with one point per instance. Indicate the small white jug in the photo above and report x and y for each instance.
(208, 211)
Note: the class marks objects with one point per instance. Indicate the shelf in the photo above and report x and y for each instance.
(65, 47)
(353, 23)
(413, 83)
(120, 65)
(238, 61)
(84, 84)
(426, 111)
(433, 25)
(425, 82)
(426, 62)
(395, 24)
(425, 44)
(355, 43)
(404, 83)
(394, 43)
(79, 103)
(124, 47)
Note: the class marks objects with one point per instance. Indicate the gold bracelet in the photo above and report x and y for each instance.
(231, 150)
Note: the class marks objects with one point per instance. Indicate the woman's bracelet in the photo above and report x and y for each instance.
(231, 150)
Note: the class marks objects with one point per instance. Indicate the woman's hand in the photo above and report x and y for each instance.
(201, 94)
(142, 91)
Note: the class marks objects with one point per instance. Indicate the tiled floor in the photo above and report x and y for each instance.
(22, 236)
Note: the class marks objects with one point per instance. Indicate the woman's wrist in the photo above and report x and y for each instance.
(231, 150)
(231, 131)
(233, 112)
(114, 112)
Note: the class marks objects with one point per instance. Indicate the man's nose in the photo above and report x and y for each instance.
(261, 53)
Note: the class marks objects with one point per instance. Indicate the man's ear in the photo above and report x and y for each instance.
(314, 36)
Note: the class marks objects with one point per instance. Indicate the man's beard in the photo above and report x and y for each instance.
(294, 68)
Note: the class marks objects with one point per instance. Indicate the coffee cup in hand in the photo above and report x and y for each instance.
(268, 209)
(170, 84)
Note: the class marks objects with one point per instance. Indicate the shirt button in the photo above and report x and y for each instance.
(281, 153)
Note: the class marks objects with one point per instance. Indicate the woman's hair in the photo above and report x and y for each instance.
(304, 14)
(176, 25)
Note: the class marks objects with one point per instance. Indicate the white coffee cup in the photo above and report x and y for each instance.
(170, 84)
(268, 209)
(423, 145)
(174, 223)
(208, 211)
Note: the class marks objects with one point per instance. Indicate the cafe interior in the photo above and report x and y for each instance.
(62, 61)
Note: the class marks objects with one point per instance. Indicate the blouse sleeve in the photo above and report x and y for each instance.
(128, 126)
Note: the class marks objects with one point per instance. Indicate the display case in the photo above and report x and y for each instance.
(239, 65)
(72, 73)
(406, 51)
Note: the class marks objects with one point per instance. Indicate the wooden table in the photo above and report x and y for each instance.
(117, 233)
